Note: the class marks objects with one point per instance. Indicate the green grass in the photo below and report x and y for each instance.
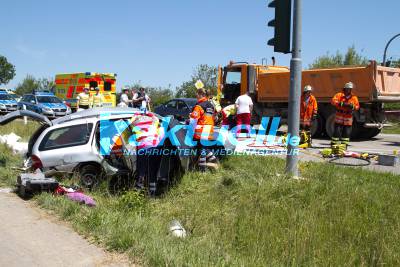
(8, 160)
(19, 128)
(395, 129)
(392, 106)
(249, 214)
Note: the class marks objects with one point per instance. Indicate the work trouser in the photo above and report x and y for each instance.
(147, 169)
(84, 106)
(341, 134)
(205, 155)
(305, 136)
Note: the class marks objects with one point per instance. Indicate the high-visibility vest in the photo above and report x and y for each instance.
(83, 99)
(344, 115)
(97, 100)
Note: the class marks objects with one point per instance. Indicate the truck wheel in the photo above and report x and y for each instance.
(89, 176)
(317, 126)
(369, 133)
(330, 125)
(330, 128)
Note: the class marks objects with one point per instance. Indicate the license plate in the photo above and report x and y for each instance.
(59, 113)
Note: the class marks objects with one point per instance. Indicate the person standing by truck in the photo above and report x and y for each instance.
(83, 99)
(244, 107)
(345, 103)
(308, 113)
(97, 99)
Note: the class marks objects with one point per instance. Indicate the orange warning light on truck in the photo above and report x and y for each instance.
(69, 85)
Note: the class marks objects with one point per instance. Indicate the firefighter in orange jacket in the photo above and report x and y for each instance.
(345, 103)
(203, 115)
(308, 113)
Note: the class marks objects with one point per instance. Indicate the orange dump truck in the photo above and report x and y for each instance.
(269, 88)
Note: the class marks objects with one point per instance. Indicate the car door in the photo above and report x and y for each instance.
(30, 103)
(66, 146)
(170, 108)
(183, 111)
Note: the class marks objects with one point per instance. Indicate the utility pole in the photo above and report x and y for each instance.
(295, 92)
(386, 48)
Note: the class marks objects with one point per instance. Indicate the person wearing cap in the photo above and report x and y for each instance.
(345, 103)
(124, 99)
(83, 99)
(308, 113)
(97, 99)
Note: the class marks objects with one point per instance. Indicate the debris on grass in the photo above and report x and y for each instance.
(13, 141)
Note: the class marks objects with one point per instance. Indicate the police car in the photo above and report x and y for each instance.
(44, 103)
(7, 103)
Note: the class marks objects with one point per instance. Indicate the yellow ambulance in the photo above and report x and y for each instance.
(70, 85)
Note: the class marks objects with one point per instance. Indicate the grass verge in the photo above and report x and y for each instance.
(249, 214)
(8, 160)
(395, 129)
(18, 127)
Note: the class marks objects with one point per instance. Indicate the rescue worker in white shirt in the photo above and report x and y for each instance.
(141, 100)
(83, 99)
(124, 99)
(97, 99)
(244, 107)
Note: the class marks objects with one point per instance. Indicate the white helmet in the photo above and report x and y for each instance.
(349, 85)
(307, 88)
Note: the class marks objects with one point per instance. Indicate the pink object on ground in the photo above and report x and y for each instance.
(81, 198)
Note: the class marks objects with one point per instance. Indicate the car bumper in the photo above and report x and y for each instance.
(55, 114)
(7, 109)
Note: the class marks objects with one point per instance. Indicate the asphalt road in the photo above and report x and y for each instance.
(382, 144)
(30, 237)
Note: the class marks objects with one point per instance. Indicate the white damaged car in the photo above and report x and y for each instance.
(71, 144)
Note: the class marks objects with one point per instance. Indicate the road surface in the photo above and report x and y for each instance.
(30, 237)
(382, 144)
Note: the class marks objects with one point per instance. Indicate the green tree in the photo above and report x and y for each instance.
(46, 84)
(28, 84)
(7, 70)
(207, 74)
(350, 58)
(159, 95)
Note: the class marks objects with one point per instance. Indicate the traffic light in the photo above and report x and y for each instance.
(281, 24)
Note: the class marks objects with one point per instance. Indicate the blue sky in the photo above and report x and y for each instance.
(160, 42)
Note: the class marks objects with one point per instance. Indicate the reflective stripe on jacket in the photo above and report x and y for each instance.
(83, 99)
(203, 112)
(97, 100)
(344, 113)
(308, 108)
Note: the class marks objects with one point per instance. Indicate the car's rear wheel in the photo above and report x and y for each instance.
(89, 175)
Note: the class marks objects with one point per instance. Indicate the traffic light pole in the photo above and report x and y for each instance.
(295, 92)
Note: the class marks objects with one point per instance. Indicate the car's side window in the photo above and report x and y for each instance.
(74, 135)
(181, 105)
(171, 104)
